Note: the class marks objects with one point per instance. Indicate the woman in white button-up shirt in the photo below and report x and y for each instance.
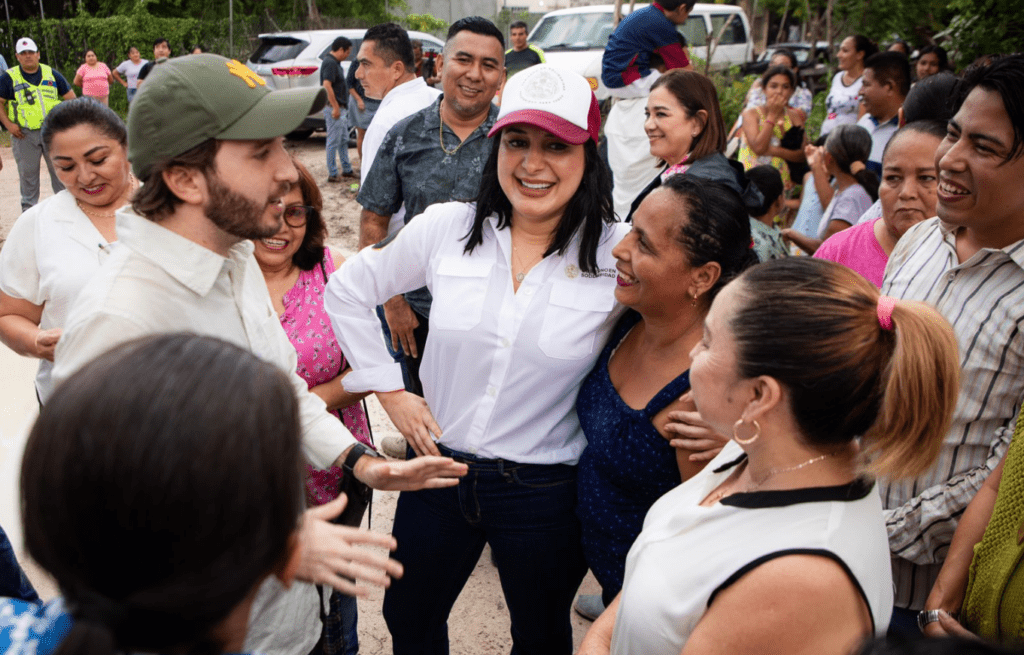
(523, 299)
(56, 246)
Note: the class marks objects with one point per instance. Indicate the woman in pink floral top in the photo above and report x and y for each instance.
(296, 265)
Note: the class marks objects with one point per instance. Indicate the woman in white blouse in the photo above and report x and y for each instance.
(523, 284)
(56, 246)
(779, 544)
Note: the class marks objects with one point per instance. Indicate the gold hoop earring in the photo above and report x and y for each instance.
(748, 440)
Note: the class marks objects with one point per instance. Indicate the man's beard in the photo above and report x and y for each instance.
(235, 214)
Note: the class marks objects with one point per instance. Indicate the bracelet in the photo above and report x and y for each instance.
(353, 456)
(924, 617)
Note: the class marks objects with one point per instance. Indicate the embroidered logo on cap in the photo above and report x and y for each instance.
(543, 86)
(247, 74)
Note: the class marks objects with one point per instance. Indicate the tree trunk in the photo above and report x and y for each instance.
(617, 15)
(782, 24)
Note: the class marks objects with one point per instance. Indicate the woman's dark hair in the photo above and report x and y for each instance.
(695, 92)
(588, 211)
(716, 229)
(88, 50)
(788, 54)
(936, 129)
(863, 44)
(154, 199)
(785, 71)
(160, 485)
(845, 375)
(1003, 76)
(769, 181)
(931, 99)
(939, 52)
(848, 144)
(311, 251)
(84, 111)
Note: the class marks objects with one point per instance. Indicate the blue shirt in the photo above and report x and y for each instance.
(411, 168)
(627, 57)
(31, 628)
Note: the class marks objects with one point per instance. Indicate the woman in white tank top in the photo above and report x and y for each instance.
(779, 545)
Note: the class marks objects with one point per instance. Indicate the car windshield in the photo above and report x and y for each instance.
(273, 49)
(573, 31)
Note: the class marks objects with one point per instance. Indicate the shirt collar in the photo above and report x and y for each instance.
(1015, 251)
(187, 262)
(433, 117)
(894, 121)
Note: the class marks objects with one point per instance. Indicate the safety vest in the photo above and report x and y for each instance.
(31, 103)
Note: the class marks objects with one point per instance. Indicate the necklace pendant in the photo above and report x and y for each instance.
(520, 276)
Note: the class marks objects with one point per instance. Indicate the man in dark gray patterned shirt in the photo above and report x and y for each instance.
(435, 155)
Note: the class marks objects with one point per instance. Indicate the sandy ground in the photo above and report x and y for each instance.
(479, 623)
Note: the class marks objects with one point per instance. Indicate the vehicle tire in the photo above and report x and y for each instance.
(352, 137)
(298, 135)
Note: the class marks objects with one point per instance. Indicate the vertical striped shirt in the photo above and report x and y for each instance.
(983, 299)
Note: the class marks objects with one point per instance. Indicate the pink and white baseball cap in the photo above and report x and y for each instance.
(554, 99)
(25, 44)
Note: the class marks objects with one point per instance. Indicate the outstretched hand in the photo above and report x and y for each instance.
(330, 555)
(424, 472)
(688, 431)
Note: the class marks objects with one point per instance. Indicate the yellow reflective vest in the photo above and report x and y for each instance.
(31, 103)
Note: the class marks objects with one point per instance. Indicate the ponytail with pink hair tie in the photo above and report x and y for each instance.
(885, 307)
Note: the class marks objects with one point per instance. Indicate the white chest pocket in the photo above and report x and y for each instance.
(460, 287)
(574, 313)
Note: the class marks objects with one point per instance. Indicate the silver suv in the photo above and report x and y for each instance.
(292, 59)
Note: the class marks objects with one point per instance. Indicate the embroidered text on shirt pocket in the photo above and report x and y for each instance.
(460, 288)
(572, 317)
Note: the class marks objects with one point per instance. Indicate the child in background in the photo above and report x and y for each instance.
(765, 234)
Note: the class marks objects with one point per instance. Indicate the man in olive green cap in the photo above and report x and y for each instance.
(205, 138)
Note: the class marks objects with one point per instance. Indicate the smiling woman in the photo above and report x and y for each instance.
(523, 297)
(55, 247)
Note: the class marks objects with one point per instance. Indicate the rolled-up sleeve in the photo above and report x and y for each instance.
(369, 279)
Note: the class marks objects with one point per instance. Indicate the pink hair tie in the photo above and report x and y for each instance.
(885, 307)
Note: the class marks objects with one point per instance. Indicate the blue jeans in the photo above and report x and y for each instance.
(337, 142)
(526, 512)
(131, 94)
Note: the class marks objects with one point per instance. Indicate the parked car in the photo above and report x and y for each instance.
(812, 69)
(287, 60)
(575, 38)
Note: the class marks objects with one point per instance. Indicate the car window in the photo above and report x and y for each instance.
(351, 55)
(584, 31)
(273, 49)
(695, 31)
(733, 31)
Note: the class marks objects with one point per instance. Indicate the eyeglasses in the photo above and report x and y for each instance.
(297, 215)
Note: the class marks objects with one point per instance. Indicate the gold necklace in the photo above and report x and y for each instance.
(721, 493)
(131, 187)
(440, 134)
(773, 472)
(523, 269)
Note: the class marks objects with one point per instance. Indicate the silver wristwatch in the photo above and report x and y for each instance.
(924, 617)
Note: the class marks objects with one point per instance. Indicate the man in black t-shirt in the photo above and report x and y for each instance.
(28, 92)
(161, 51)
(336, 111)
(521, 55)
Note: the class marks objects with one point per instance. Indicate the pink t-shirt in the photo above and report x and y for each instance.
(95, 81)
(858, 249)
